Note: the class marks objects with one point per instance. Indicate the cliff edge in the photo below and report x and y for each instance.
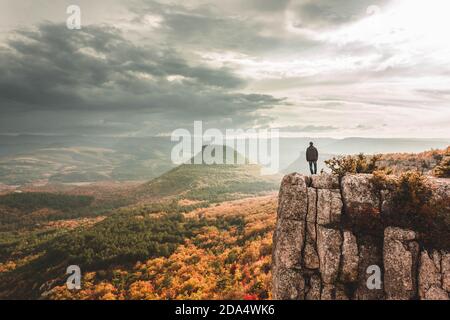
(339, 239)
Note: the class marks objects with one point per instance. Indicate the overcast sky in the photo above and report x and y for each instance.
(336, 68)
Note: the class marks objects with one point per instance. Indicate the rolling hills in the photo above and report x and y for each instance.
(210, 182)
(40, 159)
(148, 221)
(194, 232)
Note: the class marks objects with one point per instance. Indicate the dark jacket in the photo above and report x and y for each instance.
(312, 154)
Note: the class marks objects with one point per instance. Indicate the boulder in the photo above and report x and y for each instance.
(329, 243)
(292, 199)
(430, 277)
(288, 284)
(359, 198)
(328, 292)
(325, 181)
(429, 274)
(436, 293)
(310, 256)
(288, 241)
(315, 287)
(370, 254)
(440, 191)
(400, 256)
(329, 206)
(445, 264)
(350, 258)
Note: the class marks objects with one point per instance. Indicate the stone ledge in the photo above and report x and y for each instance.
(318, 256)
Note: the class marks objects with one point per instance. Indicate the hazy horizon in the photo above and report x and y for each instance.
(282, 135)
(74, 158)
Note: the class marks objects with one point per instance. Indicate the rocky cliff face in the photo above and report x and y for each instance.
(331, 243)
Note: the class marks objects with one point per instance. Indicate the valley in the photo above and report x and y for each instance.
(212, 213)
(194, 232)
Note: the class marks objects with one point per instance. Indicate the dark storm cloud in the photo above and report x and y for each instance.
(56, 64)
(97, 72)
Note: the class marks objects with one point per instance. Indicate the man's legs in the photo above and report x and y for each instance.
(311, 167)
(315, 167)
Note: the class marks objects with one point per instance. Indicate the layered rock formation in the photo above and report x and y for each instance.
(330, 241)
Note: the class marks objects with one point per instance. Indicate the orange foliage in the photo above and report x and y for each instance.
(215, 264)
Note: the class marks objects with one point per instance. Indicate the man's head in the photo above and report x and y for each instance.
(311, 144)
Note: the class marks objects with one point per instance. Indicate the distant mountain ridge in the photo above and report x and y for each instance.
(72, 159)
(209, 182)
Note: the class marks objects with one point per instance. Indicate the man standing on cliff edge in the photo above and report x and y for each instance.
(312, 155)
